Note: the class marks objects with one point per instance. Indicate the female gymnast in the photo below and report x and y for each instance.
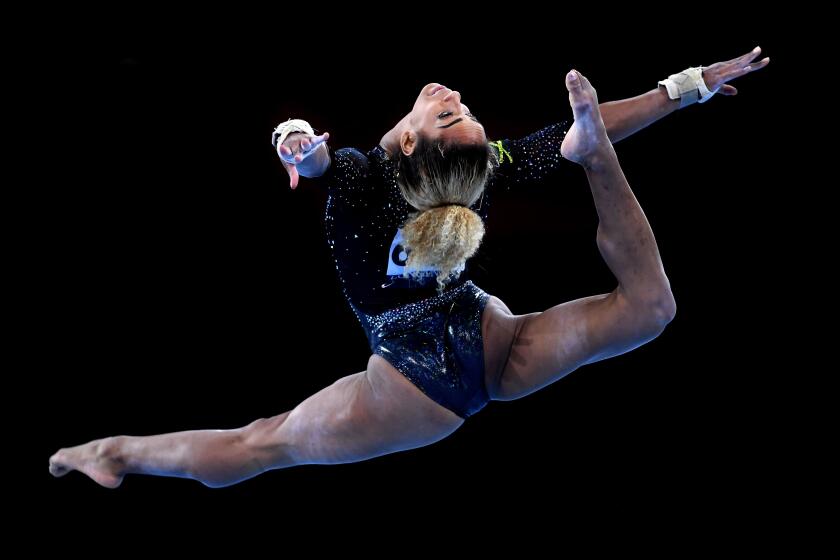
(402, 220)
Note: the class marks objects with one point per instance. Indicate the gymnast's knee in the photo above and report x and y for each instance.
(265, 439)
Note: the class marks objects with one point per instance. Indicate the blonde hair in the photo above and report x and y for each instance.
(442, 181)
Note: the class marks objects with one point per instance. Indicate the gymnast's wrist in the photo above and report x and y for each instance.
(688, 87)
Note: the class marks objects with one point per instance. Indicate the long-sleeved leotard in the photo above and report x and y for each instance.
(365, 213)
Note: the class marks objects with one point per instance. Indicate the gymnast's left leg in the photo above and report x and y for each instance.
(361, 416)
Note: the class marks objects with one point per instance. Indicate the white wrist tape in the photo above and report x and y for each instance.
(688, 86)
(292, 125)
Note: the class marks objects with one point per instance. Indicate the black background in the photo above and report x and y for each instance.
(187, 287)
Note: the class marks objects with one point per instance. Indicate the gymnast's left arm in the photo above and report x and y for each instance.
(628, 116)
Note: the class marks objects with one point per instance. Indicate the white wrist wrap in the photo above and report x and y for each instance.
(688, 86)
(292, 125)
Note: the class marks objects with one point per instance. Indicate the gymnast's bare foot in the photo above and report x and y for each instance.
(95, 459)
(587, 138)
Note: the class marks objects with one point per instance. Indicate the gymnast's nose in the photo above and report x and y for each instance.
(453, 95)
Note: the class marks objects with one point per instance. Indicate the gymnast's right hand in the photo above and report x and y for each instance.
(295, 150)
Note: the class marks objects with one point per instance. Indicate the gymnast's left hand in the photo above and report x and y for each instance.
(717, 75)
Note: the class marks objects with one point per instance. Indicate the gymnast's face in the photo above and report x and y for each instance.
(438, 114)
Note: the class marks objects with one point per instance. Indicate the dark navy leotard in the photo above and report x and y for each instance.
(433, 339)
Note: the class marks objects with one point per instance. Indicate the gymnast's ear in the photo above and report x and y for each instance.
(408, 141)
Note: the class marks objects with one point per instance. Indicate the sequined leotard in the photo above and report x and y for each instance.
(433, 339)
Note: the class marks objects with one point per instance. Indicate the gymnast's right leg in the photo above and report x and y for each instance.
(361, 416)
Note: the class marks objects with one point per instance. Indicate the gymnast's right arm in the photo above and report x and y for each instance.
(304, 154)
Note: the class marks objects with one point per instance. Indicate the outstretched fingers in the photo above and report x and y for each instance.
(294, 176)
(285, 154)
(289, 160)
(744, 64)
(317, 141)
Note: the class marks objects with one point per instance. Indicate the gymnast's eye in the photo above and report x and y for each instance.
(444, 114)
